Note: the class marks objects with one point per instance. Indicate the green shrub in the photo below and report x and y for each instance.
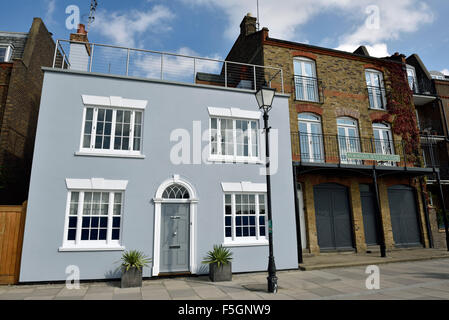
(219, 255)
(134, 259)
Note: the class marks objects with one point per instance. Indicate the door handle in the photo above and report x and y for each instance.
(175, 234)
(175, 247)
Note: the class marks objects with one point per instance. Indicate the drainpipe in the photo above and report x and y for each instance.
(444, 120)
(440, 187)
(380, 229)
(426, 214)
(298, 220)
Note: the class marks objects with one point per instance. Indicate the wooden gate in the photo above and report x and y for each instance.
(12, 224)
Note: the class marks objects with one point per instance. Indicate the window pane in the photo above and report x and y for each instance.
(2, 54)
(254, 139)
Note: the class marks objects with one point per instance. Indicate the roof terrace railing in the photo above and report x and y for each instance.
(122, 61)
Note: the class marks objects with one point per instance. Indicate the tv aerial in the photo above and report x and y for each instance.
(93, 9)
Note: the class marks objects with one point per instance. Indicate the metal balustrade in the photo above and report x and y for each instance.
(436, 155)
(122, 61)
(324, 148)
(308, 89)
(377, 97)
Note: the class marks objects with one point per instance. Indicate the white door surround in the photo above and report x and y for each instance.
(158, 201)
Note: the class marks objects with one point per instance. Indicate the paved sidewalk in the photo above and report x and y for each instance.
(332, 260)
(412, 280)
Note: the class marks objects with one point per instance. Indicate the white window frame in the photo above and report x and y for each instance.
(256, 240)
(8, 54)
(375, 105)
(347, 139)
(415, 80)
(234, 114)
(309, 123)
(250, 188)
(302, 61)
(115, 104)
(93, 185)
(383, 128)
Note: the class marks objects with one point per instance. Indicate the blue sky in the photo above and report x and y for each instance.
(210, 27)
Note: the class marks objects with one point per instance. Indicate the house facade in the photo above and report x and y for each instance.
(355, 144)
(431, 98)
(125, 162)
(21, 57)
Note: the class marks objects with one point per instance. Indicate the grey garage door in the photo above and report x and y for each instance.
(369, 214)
(404, 216)
(333, 217)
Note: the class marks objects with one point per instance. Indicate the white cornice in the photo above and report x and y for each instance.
(96, 184)
(114, 102)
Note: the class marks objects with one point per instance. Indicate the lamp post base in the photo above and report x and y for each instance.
(272, 284)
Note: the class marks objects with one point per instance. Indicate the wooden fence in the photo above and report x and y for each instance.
(12, 225)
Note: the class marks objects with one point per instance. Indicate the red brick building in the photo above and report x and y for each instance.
(21, 57)
(353, 122)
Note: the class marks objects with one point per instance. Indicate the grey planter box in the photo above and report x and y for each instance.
(222, 273)
(131, 278)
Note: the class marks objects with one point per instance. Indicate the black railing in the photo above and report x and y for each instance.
(436, 155)
(308, 89)
(422, 86)
(319, 148)
(377, 97)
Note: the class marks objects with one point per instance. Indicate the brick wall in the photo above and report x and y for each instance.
(18, 126)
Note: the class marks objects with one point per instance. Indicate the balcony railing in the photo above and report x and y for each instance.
(435, 152)
(334, 149)
(308, 89)
(377, 97)
(422, 86)
(122, 61)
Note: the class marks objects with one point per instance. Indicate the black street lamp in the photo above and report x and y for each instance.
(265, 98)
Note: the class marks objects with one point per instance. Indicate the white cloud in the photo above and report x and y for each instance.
(379, 50)
(445, 72)
(396, 17)
(122, 28)
(177, 68)
(50, 7)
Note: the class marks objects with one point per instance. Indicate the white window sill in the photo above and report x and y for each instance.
(78, 249)
(234, 160)
(246, 244)
(109, 155)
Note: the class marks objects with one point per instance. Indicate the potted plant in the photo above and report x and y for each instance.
(132, 263)
(219, 261)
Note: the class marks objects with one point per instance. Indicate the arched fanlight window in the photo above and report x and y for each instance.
(346, 121)
(176, 191)
(308, 117)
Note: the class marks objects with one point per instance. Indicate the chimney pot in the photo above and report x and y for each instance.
(81, 29)
(248, 25)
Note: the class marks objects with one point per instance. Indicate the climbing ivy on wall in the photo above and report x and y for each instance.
(401, 106)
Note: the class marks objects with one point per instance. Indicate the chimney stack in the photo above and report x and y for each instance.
(79, 53)
(248, 25)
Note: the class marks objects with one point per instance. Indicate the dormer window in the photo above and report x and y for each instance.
(411, 77)
(5, 53)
